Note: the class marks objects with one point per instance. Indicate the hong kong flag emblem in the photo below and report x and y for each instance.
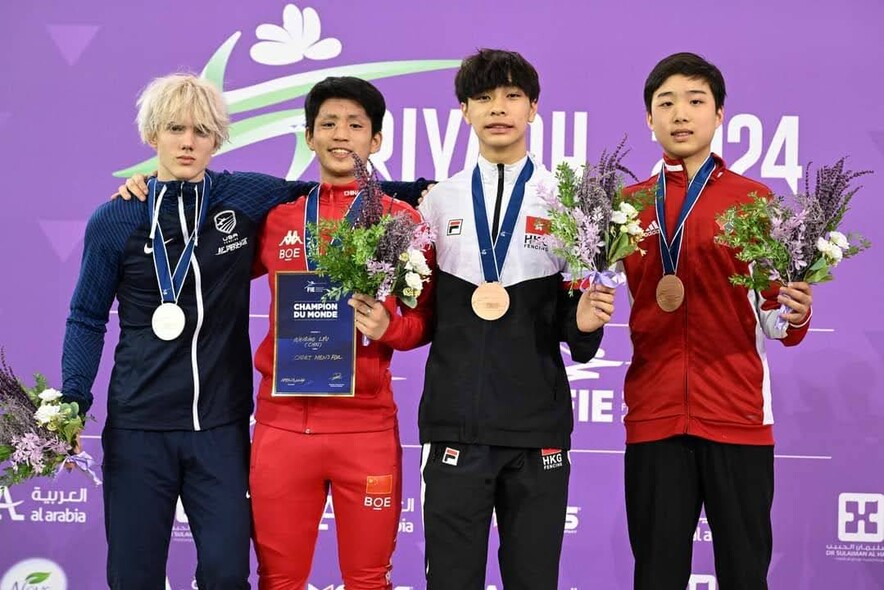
(536, 225)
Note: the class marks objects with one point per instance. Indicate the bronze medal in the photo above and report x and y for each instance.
(670, 293)
(490, 301)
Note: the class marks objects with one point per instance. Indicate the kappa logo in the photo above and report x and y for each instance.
(292, 238)
(450, 456)
(454, 227)
(290, 246)
(225, 221)
(552, 458)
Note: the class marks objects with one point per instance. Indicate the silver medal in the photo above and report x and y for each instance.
(168, 321)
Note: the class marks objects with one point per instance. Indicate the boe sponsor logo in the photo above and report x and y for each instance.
(860, 528)
(702, 582)
(406, 520)
(35, 573)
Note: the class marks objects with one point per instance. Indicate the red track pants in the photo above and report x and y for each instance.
(290, 477)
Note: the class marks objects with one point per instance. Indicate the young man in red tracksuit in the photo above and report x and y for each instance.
(699, 425)
(304, 446)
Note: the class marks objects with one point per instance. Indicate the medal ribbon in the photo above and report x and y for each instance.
(311, 215)
(170, 283)
(494, 255)
(670, 249)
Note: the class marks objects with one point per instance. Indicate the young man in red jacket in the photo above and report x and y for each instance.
(699, 425)
(305, 446)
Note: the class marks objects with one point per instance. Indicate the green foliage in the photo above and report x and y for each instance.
(342, 253)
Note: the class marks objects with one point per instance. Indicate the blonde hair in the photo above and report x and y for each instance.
(171, 98)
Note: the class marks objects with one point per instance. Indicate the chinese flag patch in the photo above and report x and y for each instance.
(379, 484)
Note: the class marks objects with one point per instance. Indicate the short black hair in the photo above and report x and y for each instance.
(488, 69)
(356, 89)
(690, 65)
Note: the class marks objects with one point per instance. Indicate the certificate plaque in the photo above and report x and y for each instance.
(315, 348)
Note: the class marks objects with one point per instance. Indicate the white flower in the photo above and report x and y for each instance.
(830, 251)
(634, 229)
(297, 38)
(619, 217)
(839, 239)
(50, 395)
(413, 280)
(46, 412)
(836, 254)
(629, 210)
(417, 262)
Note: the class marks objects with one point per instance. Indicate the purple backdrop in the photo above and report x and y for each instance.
(804, 85)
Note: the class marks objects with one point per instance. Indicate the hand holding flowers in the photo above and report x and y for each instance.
(39, 432)
(795, 240)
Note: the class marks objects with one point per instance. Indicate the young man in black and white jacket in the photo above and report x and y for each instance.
(495, 415)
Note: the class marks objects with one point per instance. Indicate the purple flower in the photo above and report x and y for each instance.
(372, 194)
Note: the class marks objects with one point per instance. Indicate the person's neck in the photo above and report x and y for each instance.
(693, 163)
(168, 177)
(506, 156)
(325, 178)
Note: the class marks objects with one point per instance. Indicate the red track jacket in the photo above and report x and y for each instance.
(372, 408)
(700, 370)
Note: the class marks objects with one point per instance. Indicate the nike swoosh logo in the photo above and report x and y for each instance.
(148, 249)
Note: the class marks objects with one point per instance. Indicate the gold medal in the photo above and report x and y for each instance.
(490, 301)
(670, 293)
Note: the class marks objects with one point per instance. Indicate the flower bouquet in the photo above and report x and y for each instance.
(38, 431)
(797, 238)
(593, 225)
(381, 254)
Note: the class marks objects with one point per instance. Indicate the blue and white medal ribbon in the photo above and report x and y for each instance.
(670, 289)
(490, 301)
(168, 319)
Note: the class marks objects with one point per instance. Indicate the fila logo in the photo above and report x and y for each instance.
(552, 458)
(225, 221)
(861, 518)
(450, 456)
(454, 227)
(291, 238)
